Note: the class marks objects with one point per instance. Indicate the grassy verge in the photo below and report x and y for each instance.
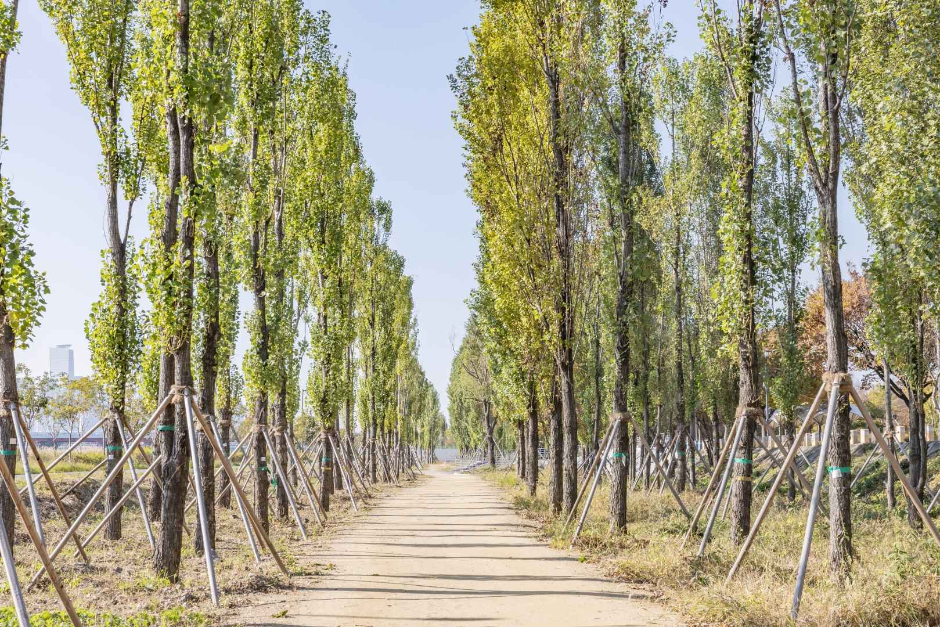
(895, 576)
(119, 588)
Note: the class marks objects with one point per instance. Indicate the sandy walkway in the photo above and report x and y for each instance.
(450, 551)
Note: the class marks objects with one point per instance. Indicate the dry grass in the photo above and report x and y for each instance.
(895, 577)
(119, 587)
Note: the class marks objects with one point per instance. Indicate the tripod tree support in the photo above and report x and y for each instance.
(40, 546)
(238, 491)
(597, 477)
(716, 472)
(791, 454)
(672, 489)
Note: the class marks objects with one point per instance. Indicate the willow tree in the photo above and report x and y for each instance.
(824, 34)
(99, 41)
(22, 287)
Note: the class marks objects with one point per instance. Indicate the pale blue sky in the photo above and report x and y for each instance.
(399, 52)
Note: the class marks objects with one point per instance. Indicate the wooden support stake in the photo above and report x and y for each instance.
(104, 486)
(238, 491)
(597, 477)
(287, 489)
(601, 451)
(55, 493)
(40, 547)
(724, 482)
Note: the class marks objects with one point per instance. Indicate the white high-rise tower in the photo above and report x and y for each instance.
(62, 361)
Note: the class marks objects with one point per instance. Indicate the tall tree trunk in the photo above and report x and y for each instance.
(326, 486)
(8, 390)
(749, 394)
(280, 448)
(554, 450)
(8, 393)
(564, 359)
(176, 459)
(520, 448)
(489, 423)
(625, 149)
(163, 443)
(532, 474)
(225, 430)
(211, 335)
(682, 429)
(889, 427)
(116, 402)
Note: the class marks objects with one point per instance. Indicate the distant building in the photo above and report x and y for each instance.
(62, 361)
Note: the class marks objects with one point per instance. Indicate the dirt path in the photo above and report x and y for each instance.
(450, 551)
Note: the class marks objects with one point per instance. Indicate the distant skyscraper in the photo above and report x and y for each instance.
(62, 361)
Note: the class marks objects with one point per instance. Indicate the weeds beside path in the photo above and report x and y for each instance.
(895, 580)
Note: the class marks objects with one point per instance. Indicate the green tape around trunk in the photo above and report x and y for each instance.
(742, 460)
(619, 455)
(265, 469)
(166, 428)
(842, 469)
(273, 483)
(7, 453)
(114, 448)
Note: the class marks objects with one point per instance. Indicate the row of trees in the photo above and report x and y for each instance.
(233, 123)
(645, 221)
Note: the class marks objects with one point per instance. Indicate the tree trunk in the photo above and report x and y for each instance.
(326, 486)
(749, 393)
(532, 474)
(163, 443)
(520, 448)
(619, 448)
(489, 424)
(176, 459)
(554, 451)
(8, 394)
(280, 449)
(225, 430)
(211, 335)
(682, 428)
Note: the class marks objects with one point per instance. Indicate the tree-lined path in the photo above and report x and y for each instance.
(450, 551)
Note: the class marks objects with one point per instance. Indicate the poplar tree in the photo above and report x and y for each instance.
(100, 42)
(22, 288)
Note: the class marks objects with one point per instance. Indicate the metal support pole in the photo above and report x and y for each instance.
(597, 477)
(140, 495)
(287, 488)
(711, 485)
(724, 483)
(121, 501)
(344, 473)
(6, 552)
(104, 486)
(239, 495)
(207, 549)
(24, 457)
(817, 488)
(791, 455)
